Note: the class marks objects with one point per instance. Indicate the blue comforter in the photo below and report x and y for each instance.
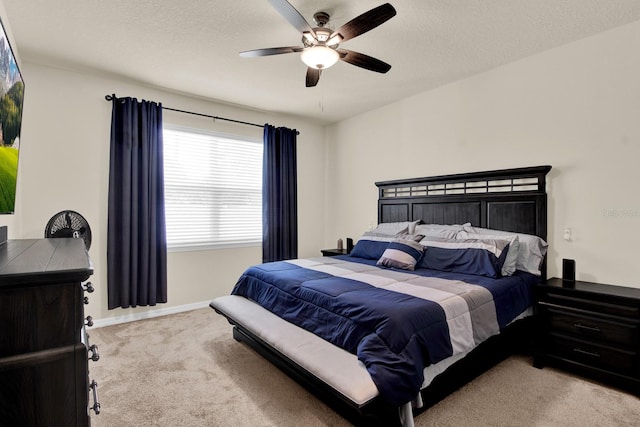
(396, 322)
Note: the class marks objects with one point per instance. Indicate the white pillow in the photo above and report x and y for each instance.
(393, 228)
(456, 227)
(531, 249)
(439, 230)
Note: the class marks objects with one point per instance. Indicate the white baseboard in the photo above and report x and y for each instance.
(99, 323)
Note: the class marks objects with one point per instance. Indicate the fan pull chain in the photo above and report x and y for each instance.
(321, 100)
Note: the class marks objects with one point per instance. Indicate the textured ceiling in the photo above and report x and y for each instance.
(192, 46)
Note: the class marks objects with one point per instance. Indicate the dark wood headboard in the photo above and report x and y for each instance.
(508, 199)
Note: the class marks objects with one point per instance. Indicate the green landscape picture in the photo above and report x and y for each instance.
(11, 97)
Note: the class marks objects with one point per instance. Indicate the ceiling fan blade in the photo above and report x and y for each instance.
(313, 75)
(365, 22)
(363, 61)
(294, 17)
(270, 51)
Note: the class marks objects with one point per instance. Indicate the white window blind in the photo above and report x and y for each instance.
(213, 189)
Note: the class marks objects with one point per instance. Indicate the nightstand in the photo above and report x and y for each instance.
(334, 252)
(590, 328)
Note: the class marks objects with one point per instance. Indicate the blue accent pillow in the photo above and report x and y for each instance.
(403, 254)
(480, 257)
(369, 249)
(530, 252)
(372, 244)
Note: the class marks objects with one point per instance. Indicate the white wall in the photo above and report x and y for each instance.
(64, 164)
(576, 108)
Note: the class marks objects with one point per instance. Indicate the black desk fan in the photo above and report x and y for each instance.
(69, 224)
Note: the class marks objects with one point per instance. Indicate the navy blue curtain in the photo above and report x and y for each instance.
(136, 240)
(279, 195)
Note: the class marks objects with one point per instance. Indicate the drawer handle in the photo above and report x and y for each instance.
(96, 404)
(94, 353)
(588, 328)
(89, 287)
(89, 321)
(585, 352)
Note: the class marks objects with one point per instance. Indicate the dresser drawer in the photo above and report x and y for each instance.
(35, 318)
(590, 304)
(624, 362)
(45, 388)
(592, 327)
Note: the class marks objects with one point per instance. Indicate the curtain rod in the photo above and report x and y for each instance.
(111, 97)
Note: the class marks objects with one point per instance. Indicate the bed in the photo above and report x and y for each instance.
(448, 251)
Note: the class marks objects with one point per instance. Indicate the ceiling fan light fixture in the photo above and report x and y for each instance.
(335, 40)
(308, 39)
(319, 57)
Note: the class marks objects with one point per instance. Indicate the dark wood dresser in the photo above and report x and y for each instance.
(592, 329)
(44, 352)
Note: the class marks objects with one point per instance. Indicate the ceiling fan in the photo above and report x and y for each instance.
(319, 48)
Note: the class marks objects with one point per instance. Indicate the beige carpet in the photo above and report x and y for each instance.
(187, 370)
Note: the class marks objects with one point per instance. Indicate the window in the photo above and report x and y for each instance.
(213, 189)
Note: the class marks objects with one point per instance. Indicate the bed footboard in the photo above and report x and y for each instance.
(330, 373)
(374, 411)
